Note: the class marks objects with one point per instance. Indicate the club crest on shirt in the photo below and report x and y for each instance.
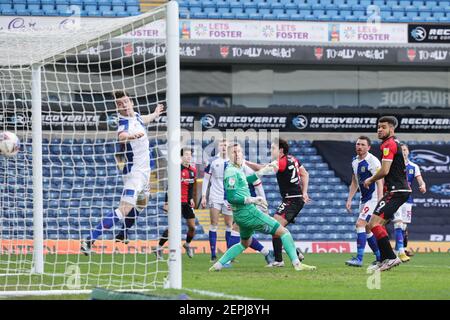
(231, 182)
(386, 152)
(363, 169)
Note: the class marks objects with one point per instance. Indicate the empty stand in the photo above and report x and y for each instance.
(91, 8)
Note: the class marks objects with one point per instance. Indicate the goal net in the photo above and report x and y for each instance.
(56, 90)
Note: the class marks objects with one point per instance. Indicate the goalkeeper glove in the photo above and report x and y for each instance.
(271, 168)
(264, 210)
(259, 201)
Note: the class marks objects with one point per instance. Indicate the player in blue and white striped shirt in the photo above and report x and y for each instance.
(365, 165)
(132, 134)
(403, 215)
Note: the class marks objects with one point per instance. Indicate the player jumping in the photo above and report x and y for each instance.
(247, 216)
(364, 165)
(403, 216)
(396, 189)
(132, 133)
(188, 179)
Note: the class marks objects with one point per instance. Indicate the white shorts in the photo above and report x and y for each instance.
(223, 207)
(404, 213)
(366, 209)
(134, 183)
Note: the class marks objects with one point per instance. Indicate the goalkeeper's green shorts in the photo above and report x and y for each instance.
(251, 219)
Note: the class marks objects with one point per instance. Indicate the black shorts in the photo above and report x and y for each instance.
(389, 204)
(187, 211)
(290, 208)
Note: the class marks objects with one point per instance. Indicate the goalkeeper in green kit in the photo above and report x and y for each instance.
(247, 216)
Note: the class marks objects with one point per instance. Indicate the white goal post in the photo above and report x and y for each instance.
(56, 94)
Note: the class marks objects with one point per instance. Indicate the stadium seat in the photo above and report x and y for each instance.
(20, 5)
(228, 15)
(296, 16)
(62, 5)
(226, 4)
(379, 3)
(104, 5)
(133, 8)
(291, 8)
(404, 3)
(283, 17)
(385, 15)
(332, 10)
(207, 4)
(358, 10)
(411, 12)
(108, 13)
(236, 7)
(398, 13)
(74, 3)
(8, 12)
(438, 12)
(5, 5)
(255, 16)
(118, 6)
(34, 6)
(365, 3)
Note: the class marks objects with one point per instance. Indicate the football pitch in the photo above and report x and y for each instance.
(426, 276)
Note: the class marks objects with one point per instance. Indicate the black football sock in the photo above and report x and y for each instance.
(277, 248)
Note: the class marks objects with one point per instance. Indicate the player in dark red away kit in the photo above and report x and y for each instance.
(396, 191)
(293, 181)
(188, 179)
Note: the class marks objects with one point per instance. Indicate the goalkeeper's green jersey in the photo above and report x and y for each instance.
(236, 186)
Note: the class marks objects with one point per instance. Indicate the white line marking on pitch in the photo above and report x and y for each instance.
(219, 294)
(419, 266)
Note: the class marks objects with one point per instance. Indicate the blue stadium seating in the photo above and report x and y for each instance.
(107, 8)
(321, 10)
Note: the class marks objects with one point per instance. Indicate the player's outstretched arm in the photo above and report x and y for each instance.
(271, 168)
(254, 166)
(152, 116)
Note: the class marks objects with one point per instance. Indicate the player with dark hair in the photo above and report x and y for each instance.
(396, 191)
(293, 181)
(132, 135)
(188, 179)
(247, 216)
(364, 165)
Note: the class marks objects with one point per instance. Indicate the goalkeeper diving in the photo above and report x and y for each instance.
(246, 214)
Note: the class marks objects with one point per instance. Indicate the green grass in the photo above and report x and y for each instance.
(427, 276)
